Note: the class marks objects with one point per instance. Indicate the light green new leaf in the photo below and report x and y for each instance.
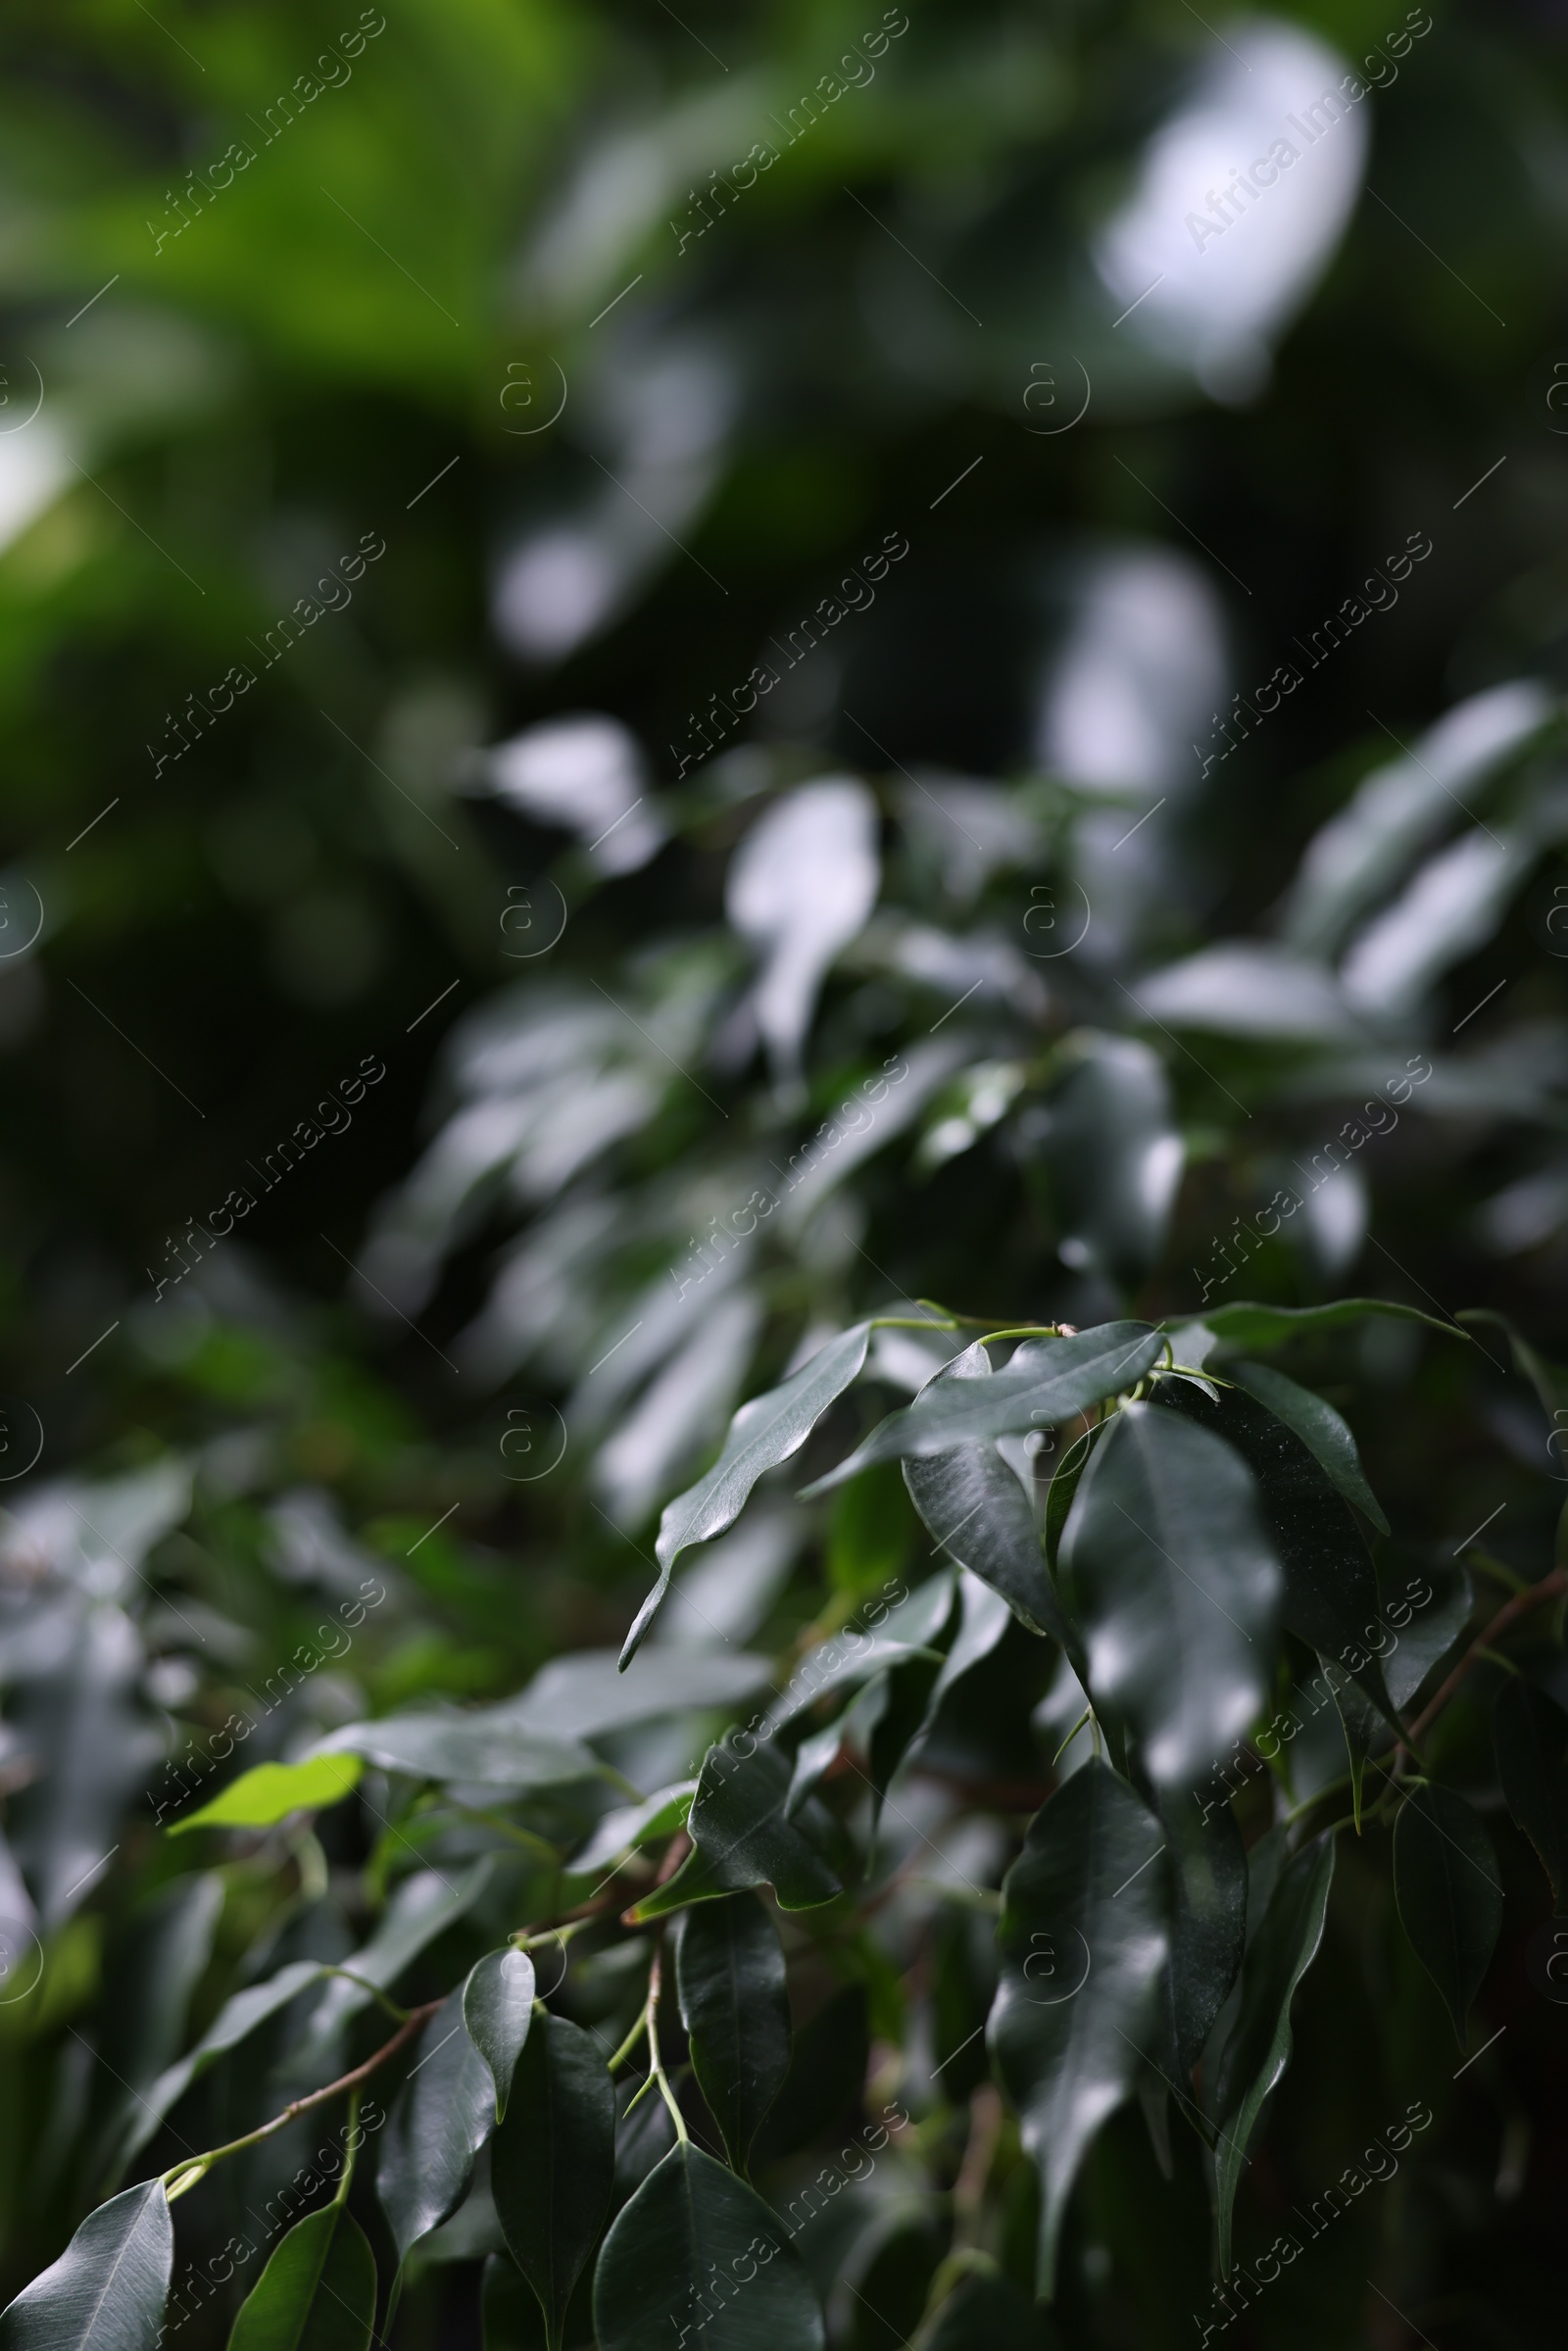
(698, 2248)
(268, 1794)
(977, 1510)
(553, 2161)
(1448, 1893)
(1257, 2049)
(317, 2294)
(763, 1434)
(108, 2289)
(498, 2009)
(742, 1836)
(1047, 1380)
(1326, 1437)
(1244, 1324)
(1530, 1737)
(736, 2010)
(440, 2119)
(1082, 1945)
(1167, 1573)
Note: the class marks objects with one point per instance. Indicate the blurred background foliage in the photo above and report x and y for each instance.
(620, 949)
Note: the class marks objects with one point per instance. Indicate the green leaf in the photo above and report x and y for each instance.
(268, 1794)
(763, 1434)
(1258, 2047)
(697, 2247)
(733, 2003)
(1326, 1437)
(975, 1507)
(553, 2160)
(1331, 1586)
(238, 2017)
(317, 2294)
(586, 1693)
(1448, 1893)
(826, 2076)
(1169, 1578)
(1530, 1736)
(440, 2119)
(851, 1655)
(1083, 1944)
(498, 2009)
(1208, 1920)
(1047, 1380)
(1246, 1324)
(108, 2289)
(1433, 1626)
(1548, 1380)
(1059, 1494)
(655, 1821)
(1114, 1156)
(422, 1907)
(742, 1836)
(484, 1746)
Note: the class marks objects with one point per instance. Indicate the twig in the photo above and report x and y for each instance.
(1550, 1588)
(656, 2064)
(184, 2175)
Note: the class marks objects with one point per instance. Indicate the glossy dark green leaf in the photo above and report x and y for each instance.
(1450, 1894)
(828, 2075)
(1243, 1323)
(1436, 1606)
(975, 1507)
(1167, 1573)
(1060, 1493)
(1257, 2049)
(108, 2289)
(1208, 1919)
(1083, 1944)
(895, 1722)
(497, 2011)
(440, 2119)
(730, 1976)
(914, 1627)
(552, 2161)
(742, 1836)
(1331, 1588)
(1114, 1156)
(1530, 1737)
(763, 1434)
(655, 1821)
(698, 2248)
(1047, 1380)
(1326, 1435)
(317, 2292)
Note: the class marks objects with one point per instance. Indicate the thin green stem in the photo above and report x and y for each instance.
(656, 2064)
(525, 1940)
(397, 2013)
(350, 2148)
(631, 2040)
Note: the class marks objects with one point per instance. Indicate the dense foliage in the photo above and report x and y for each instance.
(681, 1659)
